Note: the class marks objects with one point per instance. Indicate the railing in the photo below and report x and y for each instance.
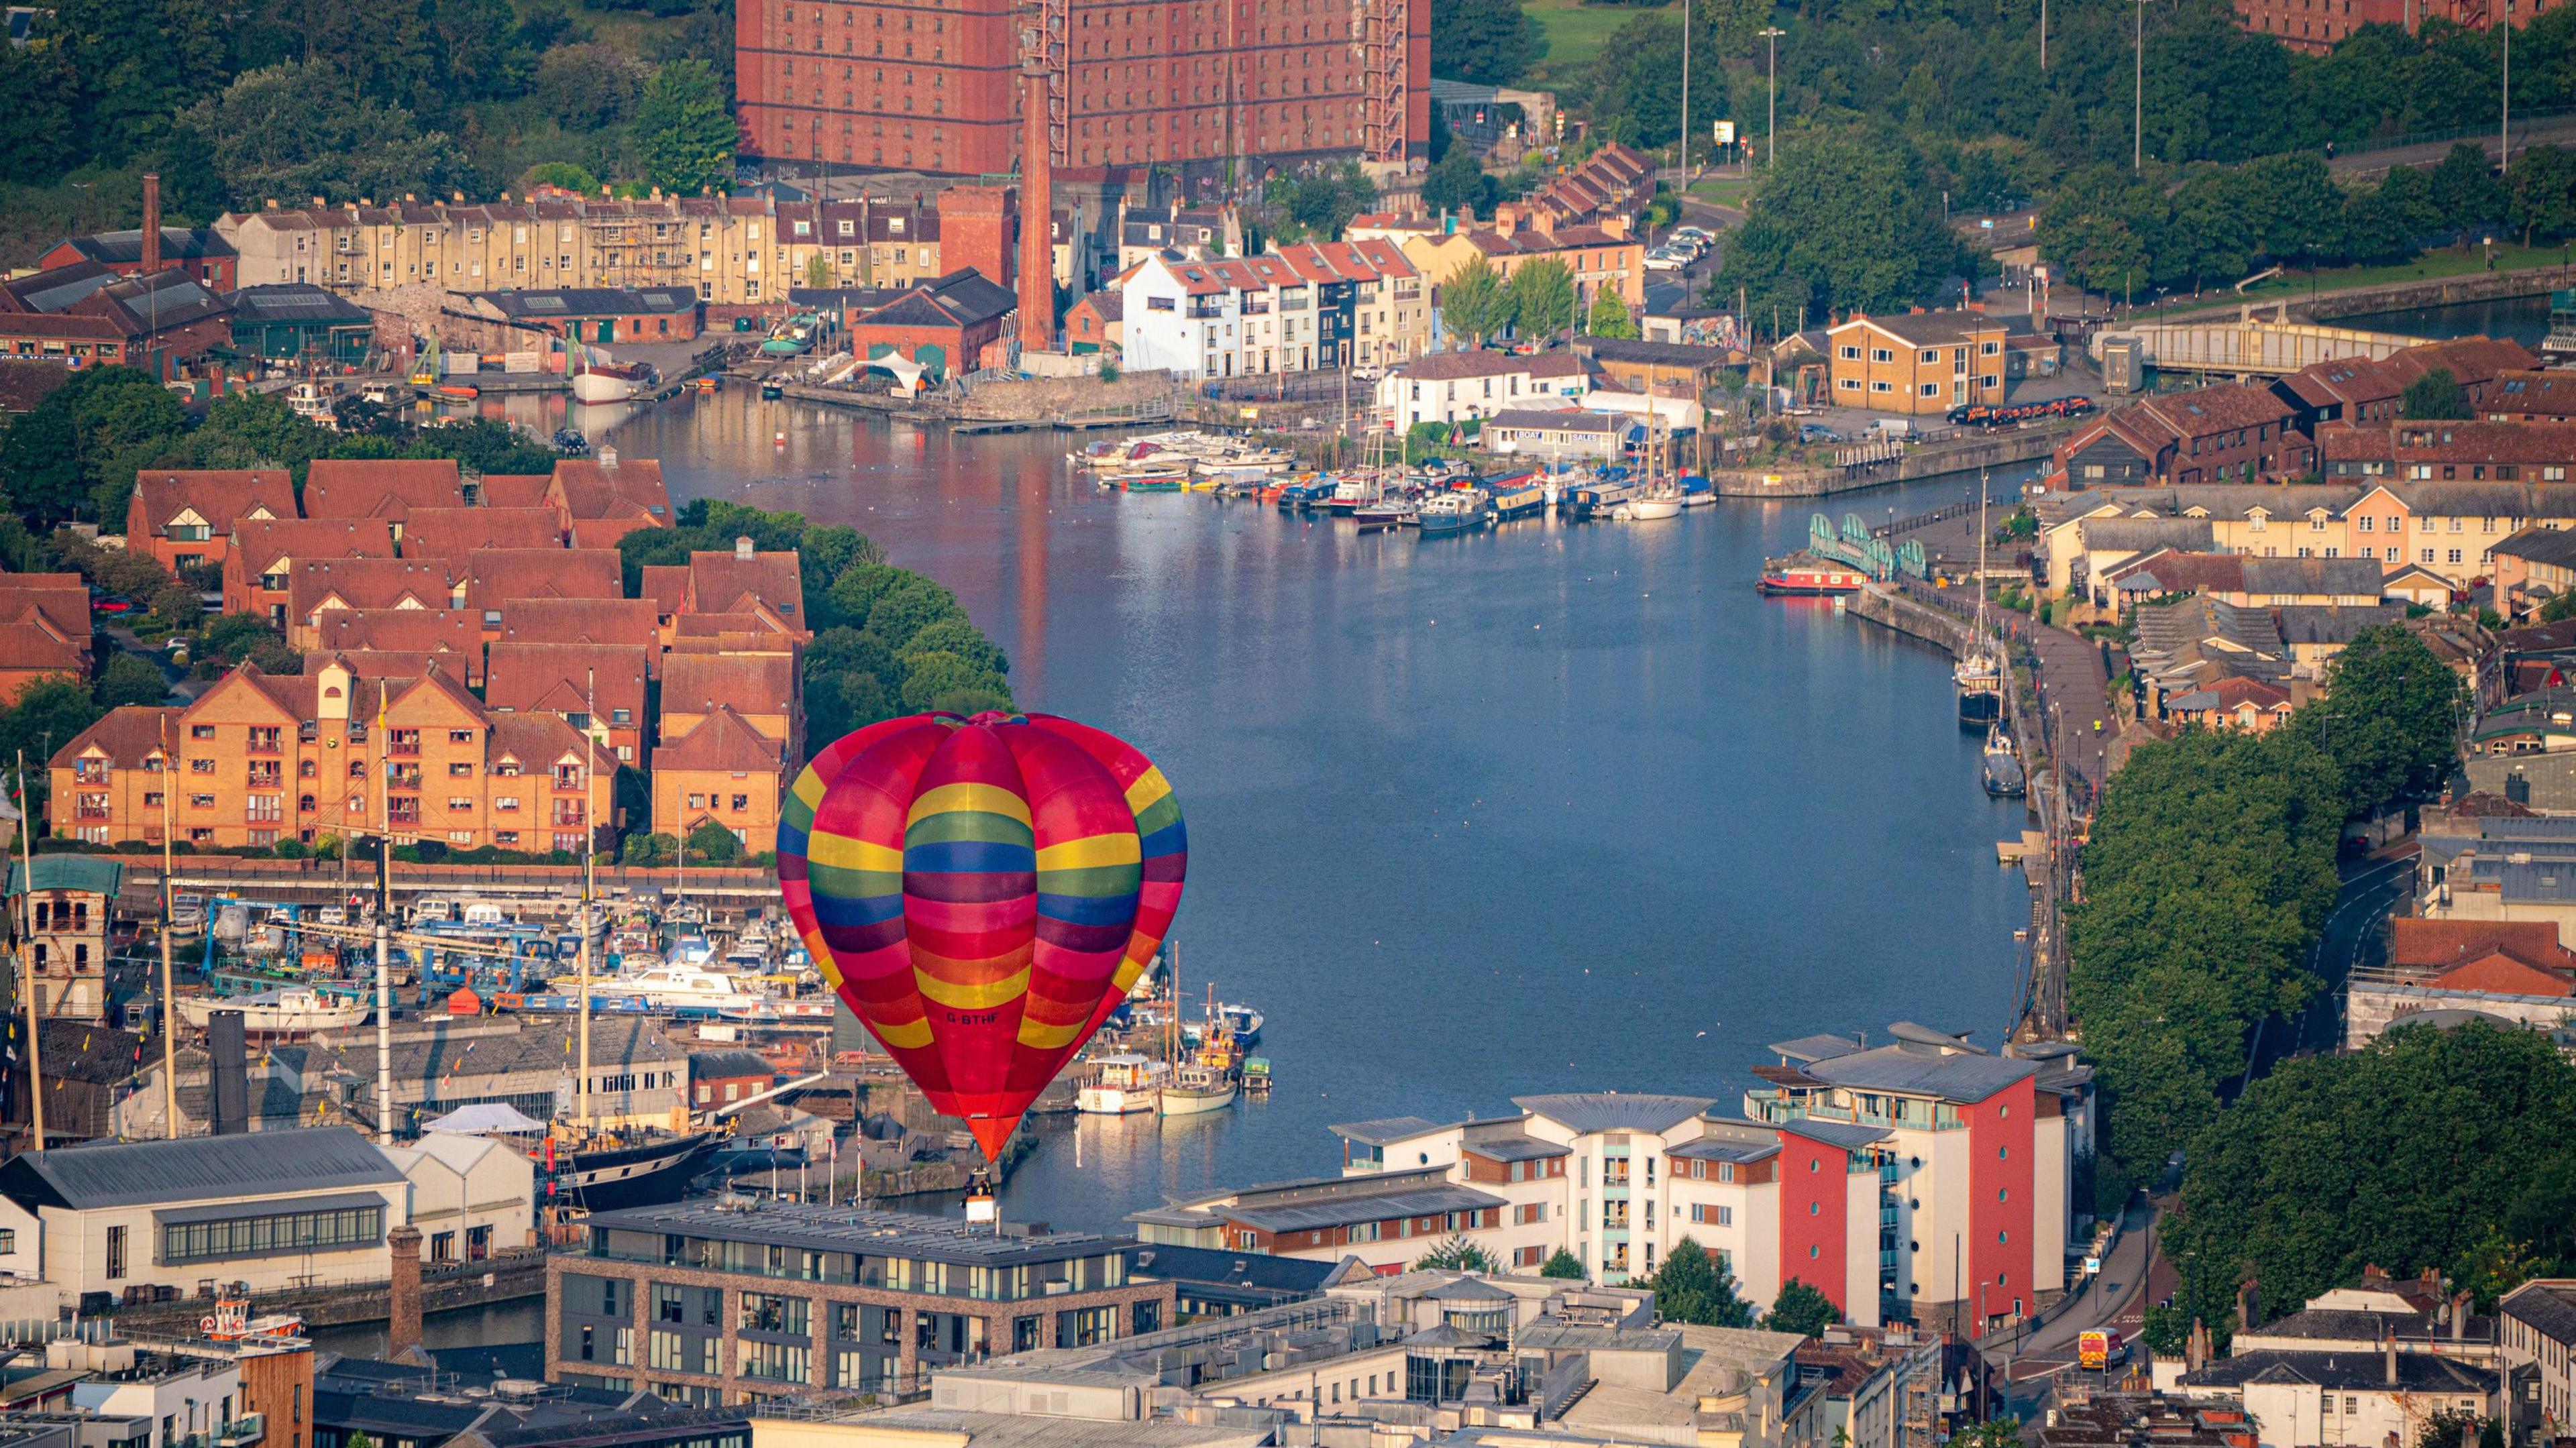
(242, 1431)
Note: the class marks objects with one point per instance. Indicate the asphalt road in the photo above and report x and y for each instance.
(2074, 688)
(2358, 165)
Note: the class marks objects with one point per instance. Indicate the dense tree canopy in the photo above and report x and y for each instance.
(1488, 42)
(2209, 871)
(1801, 1308)
(2453, 1149)
(683, 135)
(2390, 719)
(294, 130)
(1845, 220)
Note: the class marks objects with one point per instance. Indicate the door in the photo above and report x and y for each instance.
(608, 330)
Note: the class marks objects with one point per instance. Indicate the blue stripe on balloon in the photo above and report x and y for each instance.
(1119, 909)
(856, 910)
(969, 857)
(1171, 839)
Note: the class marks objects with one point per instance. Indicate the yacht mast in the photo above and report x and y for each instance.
(589, 869)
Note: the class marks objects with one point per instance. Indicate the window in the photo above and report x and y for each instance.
(115, 1252)
(283, 1233)
(1851, 353)
(1881, 354)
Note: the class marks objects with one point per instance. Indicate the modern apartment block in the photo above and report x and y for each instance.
(1188, 88)
(1875, 1175)
(714, 1303)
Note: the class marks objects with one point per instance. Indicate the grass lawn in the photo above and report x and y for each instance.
(1576, 31)
(1724, 190)
(2448, 262)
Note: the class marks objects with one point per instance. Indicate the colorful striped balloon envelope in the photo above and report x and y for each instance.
(983, 893)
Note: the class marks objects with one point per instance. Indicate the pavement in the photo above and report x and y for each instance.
(2074, 688)
(2117, 1297)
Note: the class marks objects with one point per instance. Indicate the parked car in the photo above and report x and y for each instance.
(1817, 432)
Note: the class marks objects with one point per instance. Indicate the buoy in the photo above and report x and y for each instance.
(780, 439)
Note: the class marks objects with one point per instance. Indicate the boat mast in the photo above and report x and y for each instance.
(589, 868)
(1982, 533)
(169, 1000)
(384, 922)
(27, 966)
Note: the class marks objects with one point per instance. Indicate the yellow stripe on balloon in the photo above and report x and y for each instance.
(968, 797)
(1119, 848)
(1149, 787)
(1048, 1038)
(845, 852)
(969, 995)
(1128, 970)
(809, 788)
(909, 1035)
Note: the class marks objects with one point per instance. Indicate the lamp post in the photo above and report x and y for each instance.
(1686, 120)
(2504, 125)
(1771, 119)
(2138, 117)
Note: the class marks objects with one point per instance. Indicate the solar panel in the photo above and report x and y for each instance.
(542, 304)
(292, 301)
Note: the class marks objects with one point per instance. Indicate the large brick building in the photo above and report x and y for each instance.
(2316, 26)
(904, 85)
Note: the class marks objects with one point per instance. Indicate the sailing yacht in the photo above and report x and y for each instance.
(1979, 673)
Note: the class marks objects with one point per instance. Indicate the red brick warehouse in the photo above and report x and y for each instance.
(1180, 84)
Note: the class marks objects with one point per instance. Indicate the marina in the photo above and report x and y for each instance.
(1297, 676)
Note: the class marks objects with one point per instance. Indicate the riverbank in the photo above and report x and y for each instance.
(1950, 458)
(2453, 277)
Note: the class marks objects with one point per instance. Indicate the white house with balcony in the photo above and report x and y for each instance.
(1453, 387)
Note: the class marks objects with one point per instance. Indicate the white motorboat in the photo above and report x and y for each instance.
(1128, 1085)
(288, 1010)
(598, 382)
(689, 988)
(1196, 1090)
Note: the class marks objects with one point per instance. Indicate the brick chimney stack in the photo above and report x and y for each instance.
(402, 1316)
(151, 223)
(1037, 204)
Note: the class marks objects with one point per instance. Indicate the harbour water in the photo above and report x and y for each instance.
(1540, 809)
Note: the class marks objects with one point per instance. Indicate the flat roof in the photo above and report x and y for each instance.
(850, 1229)
(1344, 1211)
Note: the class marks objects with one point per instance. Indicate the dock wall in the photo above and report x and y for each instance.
(1934, 460)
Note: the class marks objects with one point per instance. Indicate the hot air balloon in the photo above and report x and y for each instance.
(982, 892)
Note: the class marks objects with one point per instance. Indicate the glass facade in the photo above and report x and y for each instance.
(259, 1236)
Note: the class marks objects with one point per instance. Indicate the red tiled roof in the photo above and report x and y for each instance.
(722, 743)
(567, 679)
(514, 490)
(496, 576)
(452, 533)
(219, 496)
(127, 736)
(369, 583)
(599, 488)
(379, 487)
(755, 684)
(62, 598)
(667, 584)
(727, 582)
(634, 621)
(2415, 943)
(259, 545)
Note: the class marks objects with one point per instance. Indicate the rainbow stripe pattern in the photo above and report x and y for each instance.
(983, 893)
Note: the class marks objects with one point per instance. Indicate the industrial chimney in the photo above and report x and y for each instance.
(1037, 206)
(151, 223)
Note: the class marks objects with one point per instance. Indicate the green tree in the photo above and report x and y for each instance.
(1456, 1254)
(1843, 220)
(1543, 298)
(1636, 81)
(2433, 397)
(2465, 189)
(1457, 182)
(2542, 203)
(2390, 718)
(590, 87)
(128, 679)
(1475, 303)
(1609, 317)
(296, 130)
(1560, 1264)
(2004, 1432)
(714, 844)
(682, 134)
(1693, 1286)
(2331, 1163)
(47, 716)
(39, 94)
(1484, 42)
(1801, 1309)
(2449, 1428)
(96, 427)
(139, 63)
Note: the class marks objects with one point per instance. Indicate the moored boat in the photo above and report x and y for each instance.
(288, 1010)
(1197, 1090)
(2002, 772)
(1524, 497)
(1462, 511)
(1801, 575)
(1128, 1085)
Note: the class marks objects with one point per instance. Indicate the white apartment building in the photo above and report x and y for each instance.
(1452, 387)
(1310, 306)
(1878, 1176)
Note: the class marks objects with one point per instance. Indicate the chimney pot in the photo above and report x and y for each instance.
(742, 549)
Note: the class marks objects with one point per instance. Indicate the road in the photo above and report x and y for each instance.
(2351, 936)
(2360, 165)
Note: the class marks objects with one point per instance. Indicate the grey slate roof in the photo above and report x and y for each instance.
(1343, 1211)
(1590, 1111)
(1715, 1148)
(1517, 1148)
(1387, 1129)
(2136, 535)
(1291, 1275)
(1837, 1133)
(1963, 1078)
(2345, 1371)
(1468, 1289)
(1814, 1048)
(2553, 546)
(2547, 1308)
(852, 1229)
(2310, 576)
(135, 1173)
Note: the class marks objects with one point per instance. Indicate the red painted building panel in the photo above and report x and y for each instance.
(2000, 1236)
(1814, 1205)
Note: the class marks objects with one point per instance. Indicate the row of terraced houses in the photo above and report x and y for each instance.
(475, 670)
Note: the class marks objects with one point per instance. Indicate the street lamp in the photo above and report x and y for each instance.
(1686, 120)
(2504, 147)
(1771, 120)
(2138, 119)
